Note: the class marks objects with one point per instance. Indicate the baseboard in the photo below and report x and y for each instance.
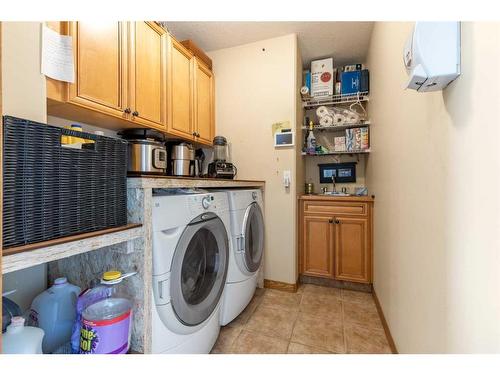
(392, 344)
(360, 287)
(278, 285)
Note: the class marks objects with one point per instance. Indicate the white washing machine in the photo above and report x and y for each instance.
(247, 239)
(190, 266)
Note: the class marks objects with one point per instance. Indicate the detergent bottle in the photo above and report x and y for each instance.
(104, 317)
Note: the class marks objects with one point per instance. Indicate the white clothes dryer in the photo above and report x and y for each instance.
(247, 239)
(190, 265)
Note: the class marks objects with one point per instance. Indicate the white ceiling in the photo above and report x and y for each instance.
(347, 42)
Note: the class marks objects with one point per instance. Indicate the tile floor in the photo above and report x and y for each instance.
(316, 319)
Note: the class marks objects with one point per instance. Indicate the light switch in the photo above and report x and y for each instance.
(287, 178)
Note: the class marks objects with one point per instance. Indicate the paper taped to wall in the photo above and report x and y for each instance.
(277, 127)
(57, 56)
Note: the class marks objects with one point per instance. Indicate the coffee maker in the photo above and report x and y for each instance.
(221, 167)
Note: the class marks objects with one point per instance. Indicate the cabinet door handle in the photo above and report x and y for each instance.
(127, 110)
(337, 221)
(330, 221)
(194, 134)
(135, 113)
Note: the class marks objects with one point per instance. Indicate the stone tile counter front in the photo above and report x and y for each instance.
(136, 255)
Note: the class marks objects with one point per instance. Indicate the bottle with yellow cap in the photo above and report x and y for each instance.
(104, 317)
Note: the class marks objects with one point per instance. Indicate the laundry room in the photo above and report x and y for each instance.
(249, 187)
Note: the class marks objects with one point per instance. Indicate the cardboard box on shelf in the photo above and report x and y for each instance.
(322, 77)
(339, 144)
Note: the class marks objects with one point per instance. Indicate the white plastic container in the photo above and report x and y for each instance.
(19, 339)
(54, 311)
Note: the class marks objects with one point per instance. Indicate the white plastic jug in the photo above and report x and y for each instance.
(19, 339)
(54, 311)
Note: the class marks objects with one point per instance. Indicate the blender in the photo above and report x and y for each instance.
(221, 167)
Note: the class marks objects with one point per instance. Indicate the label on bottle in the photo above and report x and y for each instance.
(109, 336)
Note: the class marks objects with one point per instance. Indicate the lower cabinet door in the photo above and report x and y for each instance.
(317, 246)
(352, 250)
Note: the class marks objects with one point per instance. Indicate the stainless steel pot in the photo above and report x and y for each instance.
(147, 156)
(183, 161)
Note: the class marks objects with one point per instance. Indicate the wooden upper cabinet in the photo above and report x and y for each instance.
(318, 241)
(179, 91)
(100, 50)
(148, 69)
(204, 103)
(134, 74)
(352, 254)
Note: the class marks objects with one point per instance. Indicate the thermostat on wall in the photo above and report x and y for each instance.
(285, 138)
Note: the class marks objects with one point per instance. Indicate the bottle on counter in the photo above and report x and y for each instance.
(19, 339)
(54, 311)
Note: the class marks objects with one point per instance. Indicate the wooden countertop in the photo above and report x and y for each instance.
(350, 198)
(168, 182)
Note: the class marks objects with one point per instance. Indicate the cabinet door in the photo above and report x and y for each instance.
(100, 66)
(180, 96)
(204, 103)
(148, 43)
(317, 246)
(352, 249)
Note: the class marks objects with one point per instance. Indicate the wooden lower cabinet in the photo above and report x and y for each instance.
(333, 244)
(318, 241)
(352, 244)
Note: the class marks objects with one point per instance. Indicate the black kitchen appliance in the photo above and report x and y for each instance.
(221, 167)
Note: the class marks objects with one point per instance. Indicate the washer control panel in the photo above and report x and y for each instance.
(206, 201)
(200, 203)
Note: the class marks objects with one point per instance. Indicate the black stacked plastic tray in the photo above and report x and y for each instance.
(51, 191)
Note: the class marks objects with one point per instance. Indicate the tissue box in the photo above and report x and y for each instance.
(365, 139)
(322, 77)
(339, 144)
(349, 139)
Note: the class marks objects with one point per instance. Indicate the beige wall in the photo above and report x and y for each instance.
(254, 89)
(434, 169)
(24, 95)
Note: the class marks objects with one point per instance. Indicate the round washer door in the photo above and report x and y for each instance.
(199, 269)
(253, 226)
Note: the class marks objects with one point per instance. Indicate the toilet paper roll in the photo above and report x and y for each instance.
(352, 117)
(338, 119)
(323, 111)
(326, 120)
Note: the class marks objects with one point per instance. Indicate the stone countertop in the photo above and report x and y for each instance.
(168, 182)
